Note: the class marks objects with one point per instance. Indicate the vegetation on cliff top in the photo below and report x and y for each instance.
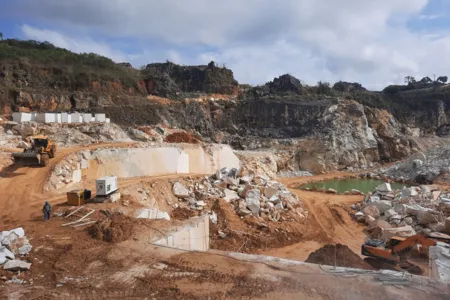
(66, 69)
(31, 64)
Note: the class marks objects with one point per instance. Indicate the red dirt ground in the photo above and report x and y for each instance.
(183, 137)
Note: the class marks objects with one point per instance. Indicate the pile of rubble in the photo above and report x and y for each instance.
(66, 135)
(405, 212)
(247, 192)
(421, 168)
(14, 243)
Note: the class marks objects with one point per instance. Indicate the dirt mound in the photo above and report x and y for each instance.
(337, 255)
(114, 229)
(183, 137)
(182, 213)
(252, 235)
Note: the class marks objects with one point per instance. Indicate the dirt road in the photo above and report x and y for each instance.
(328, 222)
(22, 186)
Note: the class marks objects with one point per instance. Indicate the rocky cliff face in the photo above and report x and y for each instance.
(315, 127)
(168, 79)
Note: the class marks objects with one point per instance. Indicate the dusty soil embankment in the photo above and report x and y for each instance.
(86, 268)
(337, 255)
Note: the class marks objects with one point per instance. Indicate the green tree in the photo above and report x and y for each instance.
(426, 80)
(323, 88)
(410, 80)
(1, 36)
(442, 79)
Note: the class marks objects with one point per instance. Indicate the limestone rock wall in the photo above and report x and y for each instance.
(140, 162)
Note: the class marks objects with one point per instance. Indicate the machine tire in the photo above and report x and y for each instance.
(52, 152)
(45, 159)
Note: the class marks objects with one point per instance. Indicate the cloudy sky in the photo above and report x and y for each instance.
(375, 42)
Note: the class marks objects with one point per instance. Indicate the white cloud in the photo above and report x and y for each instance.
(430, 17)
(358, 40)
(78, 45)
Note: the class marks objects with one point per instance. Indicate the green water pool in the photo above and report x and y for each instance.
(343, 185)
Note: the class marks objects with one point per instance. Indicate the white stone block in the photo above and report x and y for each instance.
(87, 118)
(384, 187)
(65, 118)
(46, 118)
(21, 117)
(76, 118)
(100, 118)
(76, 176)
(33, 116)
(152, 213)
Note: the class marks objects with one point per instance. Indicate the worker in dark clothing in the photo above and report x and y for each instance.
(47, 209)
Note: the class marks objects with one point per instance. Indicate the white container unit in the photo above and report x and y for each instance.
(58, 118)
(106, 185)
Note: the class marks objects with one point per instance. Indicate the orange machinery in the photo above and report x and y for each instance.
(397, 250)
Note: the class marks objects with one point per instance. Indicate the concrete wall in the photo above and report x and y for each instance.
(191, 236)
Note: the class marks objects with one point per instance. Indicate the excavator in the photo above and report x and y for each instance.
(396, 251)
(39, 153)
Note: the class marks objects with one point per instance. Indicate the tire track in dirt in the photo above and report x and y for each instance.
(328, 220)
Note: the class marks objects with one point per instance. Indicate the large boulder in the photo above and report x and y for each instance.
(270, 191)
(405, 231)
(5, 254)
(384, 187)
(372, 211)
(370, 220)
(252, 200)
(230, 195)
(383, 206)
(180, 190)
(375, 230)
(16, 265)
(25, 129)
(409, 192)
(447, 225)
(390, 212)
(437, 227)
(428, 216)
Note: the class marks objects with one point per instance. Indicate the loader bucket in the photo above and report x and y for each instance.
(28, 159)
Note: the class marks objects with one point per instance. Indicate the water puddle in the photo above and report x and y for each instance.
(344, 185)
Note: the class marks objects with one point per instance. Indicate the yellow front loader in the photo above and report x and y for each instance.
(39, 153)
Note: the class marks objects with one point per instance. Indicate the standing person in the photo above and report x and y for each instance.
(47, 209)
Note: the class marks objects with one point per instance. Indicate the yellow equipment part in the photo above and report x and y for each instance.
(40, 152)
(76, 198)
